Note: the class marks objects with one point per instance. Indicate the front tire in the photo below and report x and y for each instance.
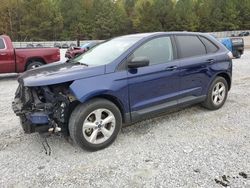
(95, 124)
(217, 94)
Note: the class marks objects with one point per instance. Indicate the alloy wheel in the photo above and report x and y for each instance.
(35, 66)
(99, 126)
(218, 93)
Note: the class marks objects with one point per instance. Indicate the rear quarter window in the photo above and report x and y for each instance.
(2, 45)
(210, 46)
(189, 46)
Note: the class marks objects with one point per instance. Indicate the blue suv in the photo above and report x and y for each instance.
(122, 81)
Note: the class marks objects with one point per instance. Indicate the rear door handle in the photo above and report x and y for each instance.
(171, 68)
(210, 61)
(3, 53)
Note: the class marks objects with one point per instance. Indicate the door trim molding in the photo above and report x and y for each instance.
(165, 107)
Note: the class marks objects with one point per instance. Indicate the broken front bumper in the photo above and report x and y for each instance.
(37, 116)
(30, 121)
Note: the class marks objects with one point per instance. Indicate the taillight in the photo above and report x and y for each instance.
(230, 55)
(56, 56)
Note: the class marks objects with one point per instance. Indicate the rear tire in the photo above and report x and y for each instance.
(34, 64)
(238, 55)
(95, 124)
(217, 94)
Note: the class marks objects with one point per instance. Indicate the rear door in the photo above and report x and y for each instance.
(155, 87)
(196, 54)
(7, 61)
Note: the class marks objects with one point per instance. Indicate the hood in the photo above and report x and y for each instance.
(58, 73)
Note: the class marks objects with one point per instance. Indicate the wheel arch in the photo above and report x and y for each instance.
(227, 78)
(32, 59)
(114, 100)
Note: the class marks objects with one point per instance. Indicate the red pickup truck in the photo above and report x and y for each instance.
(20, 60)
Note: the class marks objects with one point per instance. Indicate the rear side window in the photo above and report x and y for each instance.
(157, 50)
(211, 47)
(2, 45)
(189, 46)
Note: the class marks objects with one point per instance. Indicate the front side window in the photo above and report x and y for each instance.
(157, 50)
(189, 46)
(2, 45)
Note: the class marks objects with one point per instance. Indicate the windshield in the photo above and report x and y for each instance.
(85, 45)
(106, 52)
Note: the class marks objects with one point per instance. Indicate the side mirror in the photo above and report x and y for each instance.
(138, 62)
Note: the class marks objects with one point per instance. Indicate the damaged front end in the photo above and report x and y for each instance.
(43, 108)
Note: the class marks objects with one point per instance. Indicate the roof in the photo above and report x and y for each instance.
(143, 35)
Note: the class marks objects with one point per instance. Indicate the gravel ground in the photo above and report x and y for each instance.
(193, 147)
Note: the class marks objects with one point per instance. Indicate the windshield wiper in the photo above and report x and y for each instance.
(72, 61)
(69, 61)
(82, 64)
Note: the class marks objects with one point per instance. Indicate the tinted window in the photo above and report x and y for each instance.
(211, 48)
(158, 50)
(2, 45)
(190, 46)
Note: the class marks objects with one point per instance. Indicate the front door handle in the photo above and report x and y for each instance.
(171, 68)
(210, 61)
(3, 54)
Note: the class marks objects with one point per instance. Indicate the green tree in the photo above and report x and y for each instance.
(185, 15)
(76, 16)
(11, 13)
(109, 19)
(165, 14)
(230, 15)
(145, 17)
(41, 20)
(203, 11)
(243, 8)
(102, 19)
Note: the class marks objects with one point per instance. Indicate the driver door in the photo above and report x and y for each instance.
(154, 88)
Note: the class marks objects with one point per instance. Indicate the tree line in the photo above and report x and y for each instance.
(36, 20)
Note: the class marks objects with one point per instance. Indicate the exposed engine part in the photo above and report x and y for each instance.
(38, 103)
(54, 128)
(71, 97)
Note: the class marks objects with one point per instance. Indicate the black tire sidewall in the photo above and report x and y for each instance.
(79, 115)
(238, 55)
